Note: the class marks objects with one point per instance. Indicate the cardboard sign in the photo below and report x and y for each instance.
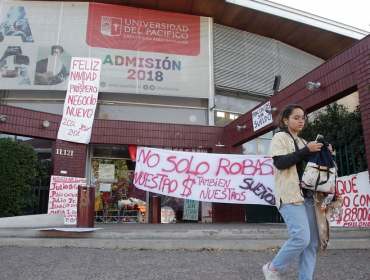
(63, 197)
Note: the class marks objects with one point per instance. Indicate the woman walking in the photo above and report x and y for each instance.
(296, 207)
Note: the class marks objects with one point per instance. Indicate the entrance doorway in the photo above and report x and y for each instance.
(117, 200)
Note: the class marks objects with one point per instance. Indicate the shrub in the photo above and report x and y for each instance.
(18, 170)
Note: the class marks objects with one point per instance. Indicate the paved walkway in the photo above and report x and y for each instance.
(32, 263)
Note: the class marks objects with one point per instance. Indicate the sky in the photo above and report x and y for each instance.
(355, 13)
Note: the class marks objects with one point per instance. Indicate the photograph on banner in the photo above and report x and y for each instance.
(63, 196)
(206, 177)
(355, 191)
(142, 51)
(52, 66)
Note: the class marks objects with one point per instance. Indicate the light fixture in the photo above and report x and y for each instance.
(312, 85)
(238, 127)
(276, 86)
(220, 145)
(46, 123)
(271, 110)
(3, 118)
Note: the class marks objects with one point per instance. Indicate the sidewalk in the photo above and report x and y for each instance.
(190, 236)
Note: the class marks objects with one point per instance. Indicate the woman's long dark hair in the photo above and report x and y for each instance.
(286, 112)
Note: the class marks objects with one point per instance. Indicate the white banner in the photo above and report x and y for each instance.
(355, 191)
(143, 51)
(81, 99)
(206, 177)
(63, 197)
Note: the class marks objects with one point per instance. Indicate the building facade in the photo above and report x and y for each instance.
(171, 81)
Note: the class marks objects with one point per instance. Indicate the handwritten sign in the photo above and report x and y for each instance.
(260, 117)
(191, 209)
(206, 177)
(63, 197)
(355, 191)
(106, 171)
(105, 187)
(81, 99)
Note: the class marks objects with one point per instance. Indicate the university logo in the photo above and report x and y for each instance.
(111, 26)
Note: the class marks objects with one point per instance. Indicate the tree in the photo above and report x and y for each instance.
(343, 129)
(19, 168)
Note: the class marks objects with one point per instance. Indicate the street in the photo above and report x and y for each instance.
(33, 263)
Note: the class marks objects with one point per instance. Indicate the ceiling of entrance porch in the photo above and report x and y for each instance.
(318, 42)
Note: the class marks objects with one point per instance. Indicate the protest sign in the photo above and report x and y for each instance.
(261, 117)
(63, 197)
(206, 177)
(81, 99)
(355, 191)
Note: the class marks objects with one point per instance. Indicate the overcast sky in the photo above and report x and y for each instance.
(355, 13)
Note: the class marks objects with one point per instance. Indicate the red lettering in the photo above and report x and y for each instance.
(344, 187)
(354, 201)
(185, 166)
(221, 166)
(147, 158)
(247, 167)
(169, 159)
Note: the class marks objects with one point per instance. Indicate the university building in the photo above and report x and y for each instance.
(183, 76)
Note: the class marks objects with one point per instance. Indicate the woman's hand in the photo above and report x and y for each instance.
(313, 146)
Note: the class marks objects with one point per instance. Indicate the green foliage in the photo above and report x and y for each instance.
(343, 129)
(18, 168)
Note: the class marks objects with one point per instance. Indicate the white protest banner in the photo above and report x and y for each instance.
(191, 209)
(355, 191)
(206, 177)
(260, 117)
(63, 197)
(81, 99)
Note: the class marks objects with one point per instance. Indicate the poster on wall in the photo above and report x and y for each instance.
(355, 191)
(220, 178)
(63, 197)
(142, 51)
(81, 99)
(191, 210)
(106, 171)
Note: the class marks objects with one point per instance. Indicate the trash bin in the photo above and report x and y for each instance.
(155, 209)
(85, 206)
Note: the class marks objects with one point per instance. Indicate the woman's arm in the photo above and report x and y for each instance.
(288, 160)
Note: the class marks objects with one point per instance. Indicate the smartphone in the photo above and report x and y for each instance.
(319, 137)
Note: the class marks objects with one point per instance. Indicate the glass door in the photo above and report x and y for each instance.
(117, 200)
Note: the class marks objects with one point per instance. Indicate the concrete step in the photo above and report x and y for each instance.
(165, 237)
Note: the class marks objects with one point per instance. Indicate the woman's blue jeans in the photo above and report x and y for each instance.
(303, 241)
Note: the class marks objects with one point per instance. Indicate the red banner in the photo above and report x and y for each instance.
(135, 29)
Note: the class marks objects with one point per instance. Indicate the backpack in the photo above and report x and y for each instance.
(319, 174)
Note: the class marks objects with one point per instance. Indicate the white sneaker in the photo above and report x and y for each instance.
(270, 275)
